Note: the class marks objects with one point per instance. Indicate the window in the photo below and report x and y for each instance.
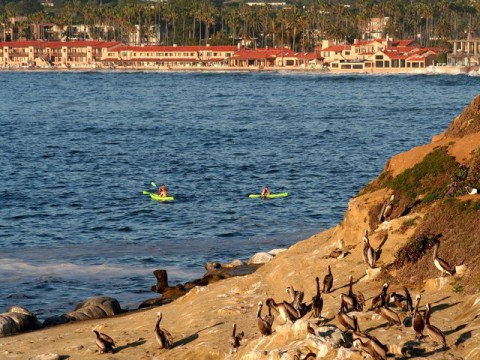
(289, 62)
(378, 57)
(347, 52)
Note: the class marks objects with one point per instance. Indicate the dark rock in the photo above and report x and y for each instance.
(209, 266)
(155, 302)
(92, 308)
(216, 273)
(16, 320)
(57, 320)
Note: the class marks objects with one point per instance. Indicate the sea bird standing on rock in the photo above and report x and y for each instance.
(433, 332)
(387, 209)
(235, 339)
(352, 301)
(403, 302)
(441, 264)
(345, 320)
(388, 314)
(368, 252)
(368, 343)
(418, 323)
(377, 300)
(264, 324)
(317, 301)
(164, 338)
(104, 342)
(285, 310)
(297, 301)
(328, 281)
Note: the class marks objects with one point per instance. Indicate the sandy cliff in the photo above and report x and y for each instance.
(201, 321)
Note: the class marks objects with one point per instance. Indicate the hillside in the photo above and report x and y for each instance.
(430, 203)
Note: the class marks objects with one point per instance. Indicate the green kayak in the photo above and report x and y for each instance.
(154, 196)
(271, 196)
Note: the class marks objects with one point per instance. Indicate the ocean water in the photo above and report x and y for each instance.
(78, 148)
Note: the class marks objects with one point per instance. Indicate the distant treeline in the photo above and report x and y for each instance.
(300, 24)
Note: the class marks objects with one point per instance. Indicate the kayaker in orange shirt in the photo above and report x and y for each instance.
(162, 191)
(265, 192)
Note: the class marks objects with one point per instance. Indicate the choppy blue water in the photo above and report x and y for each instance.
(77, 149)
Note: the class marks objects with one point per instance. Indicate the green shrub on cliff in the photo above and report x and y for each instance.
(428, 180)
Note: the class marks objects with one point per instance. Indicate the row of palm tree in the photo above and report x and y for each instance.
(300, 25)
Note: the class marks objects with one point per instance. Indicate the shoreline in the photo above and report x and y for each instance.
(431, 70)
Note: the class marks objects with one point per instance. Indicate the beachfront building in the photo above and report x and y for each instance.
(261, 58)
(368, 56)
(40, 54)
(378, 55)
(465, 52)
(412, 59)
(154, 57)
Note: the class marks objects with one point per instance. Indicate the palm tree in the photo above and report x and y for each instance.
(209, 16)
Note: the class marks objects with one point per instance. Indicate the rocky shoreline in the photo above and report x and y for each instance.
(18, 319)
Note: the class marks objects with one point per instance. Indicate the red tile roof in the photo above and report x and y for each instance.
(337, 48)
(162, 48)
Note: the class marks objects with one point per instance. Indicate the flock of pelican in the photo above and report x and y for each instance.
(351, 303)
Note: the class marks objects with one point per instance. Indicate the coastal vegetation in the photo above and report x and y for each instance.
(299, 24)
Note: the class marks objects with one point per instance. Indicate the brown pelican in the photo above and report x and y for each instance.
(435, 334)
(368, 252)
(388, 208)
(264, 324)
(368, 343)
(357, 333)
(296, 297)
(317, 301)
(441, 264)
(235, 339)
(164, 338)
(352, 301)
(345, 320)
(328, 281)
(388, 314)
(377, 300)
(285, 310)
(269, 317)
(418, 323)
(104, 342)
(409, 301)
(402, 302)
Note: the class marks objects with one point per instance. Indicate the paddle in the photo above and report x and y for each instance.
(145, 192)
